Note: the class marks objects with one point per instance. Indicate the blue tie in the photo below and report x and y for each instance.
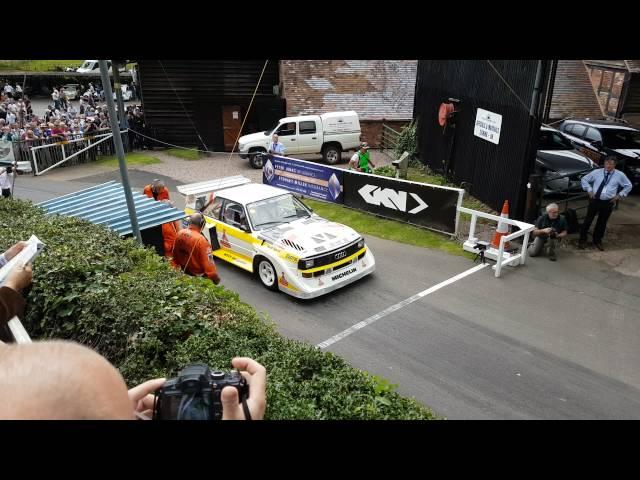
(602, 184)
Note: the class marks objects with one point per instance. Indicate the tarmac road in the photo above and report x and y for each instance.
(546, 341)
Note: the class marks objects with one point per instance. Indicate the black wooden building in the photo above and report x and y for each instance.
(492, 172)
(202, 103)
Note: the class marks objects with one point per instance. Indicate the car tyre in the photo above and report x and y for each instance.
(267, 274)
(332, 154)
(256, 161)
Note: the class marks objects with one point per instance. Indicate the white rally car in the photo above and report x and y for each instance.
(269, 232)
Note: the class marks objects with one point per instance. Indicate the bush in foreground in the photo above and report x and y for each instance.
(94, 287)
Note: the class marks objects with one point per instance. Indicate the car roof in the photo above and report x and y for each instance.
(251, 192)
(602, 124)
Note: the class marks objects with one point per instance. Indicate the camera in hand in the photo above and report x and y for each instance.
(553, 233)
(195, 394)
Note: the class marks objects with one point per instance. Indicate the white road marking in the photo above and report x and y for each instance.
(398, 306)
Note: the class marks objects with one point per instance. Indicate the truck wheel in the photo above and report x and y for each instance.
(256, 161)
(267, 274)
(332, 154)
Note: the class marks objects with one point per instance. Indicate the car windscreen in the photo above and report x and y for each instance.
(275, 211)
(86, 64)
(553, 141)
(612, 138)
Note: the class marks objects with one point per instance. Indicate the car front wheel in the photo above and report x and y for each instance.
(268, 275)
(256, 159)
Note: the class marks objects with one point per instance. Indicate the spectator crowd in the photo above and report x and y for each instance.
(62, 120)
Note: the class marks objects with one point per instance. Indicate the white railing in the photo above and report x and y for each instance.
(103, 137)
(501, 257)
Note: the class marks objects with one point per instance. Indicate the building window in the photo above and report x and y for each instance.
(608, 85)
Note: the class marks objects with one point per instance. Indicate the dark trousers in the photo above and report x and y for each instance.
(601, 208)
(6, 192)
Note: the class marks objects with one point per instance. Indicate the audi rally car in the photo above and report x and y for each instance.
(267, 231)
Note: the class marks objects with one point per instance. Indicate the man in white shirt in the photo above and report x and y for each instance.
(8, 90)
(55, 96)
(275, 147)
(6, 181)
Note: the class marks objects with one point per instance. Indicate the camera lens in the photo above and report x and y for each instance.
(217, 375)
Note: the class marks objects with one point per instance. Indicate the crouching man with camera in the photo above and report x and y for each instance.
(31, 376)
(550, 229)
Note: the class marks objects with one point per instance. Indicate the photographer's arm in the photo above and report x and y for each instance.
(256, 376)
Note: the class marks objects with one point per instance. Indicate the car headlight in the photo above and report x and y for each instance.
(361, 243)
(241, 147)
(308, 264)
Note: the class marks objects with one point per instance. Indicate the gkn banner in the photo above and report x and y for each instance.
(418, 203)
(306, 178)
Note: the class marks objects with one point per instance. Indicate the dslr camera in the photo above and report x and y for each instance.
(554, 233)
(195, 394)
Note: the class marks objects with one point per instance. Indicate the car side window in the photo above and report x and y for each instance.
(287, 129)
(234, 215)
(593, 135)
(307, 128)
(578, 130)
(213, 208)
(568, 128)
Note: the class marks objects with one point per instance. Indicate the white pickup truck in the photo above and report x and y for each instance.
(330, 134)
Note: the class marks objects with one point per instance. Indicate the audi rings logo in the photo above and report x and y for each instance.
(340, 255)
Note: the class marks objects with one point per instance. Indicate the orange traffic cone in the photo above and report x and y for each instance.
(503, 228)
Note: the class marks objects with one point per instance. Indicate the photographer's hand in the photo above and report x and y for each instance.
(19, 277)
(16, 249)
(256, 376)
(142, 396)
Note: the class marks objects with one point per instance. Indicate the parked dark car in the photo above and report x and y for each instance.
(600, 138)
(560, 163)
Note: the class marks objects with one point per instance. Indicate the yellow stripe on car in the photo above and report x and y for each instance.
(233, 231)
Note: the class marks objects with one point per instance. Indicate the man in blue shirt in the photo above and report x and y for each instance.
(605, 187)
(275, 147)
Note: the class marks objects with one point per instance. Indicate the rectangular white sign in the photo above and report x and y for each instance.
(488, 126)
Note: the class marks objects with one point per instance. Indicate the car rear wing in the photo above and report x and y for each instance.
(212, 185)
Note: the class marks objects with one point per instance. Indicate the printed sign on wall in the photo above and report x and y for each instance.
(488, 125)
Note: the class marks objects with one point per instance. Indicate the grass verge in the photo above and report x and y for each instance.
(368, 224)
(131, 158)
(191, 154)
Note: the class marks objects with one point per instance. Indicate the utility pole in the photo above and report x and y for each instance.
(117, 140)
(117, 87)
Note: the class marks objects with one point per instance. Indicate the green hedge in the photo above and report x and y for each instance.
(94, 287)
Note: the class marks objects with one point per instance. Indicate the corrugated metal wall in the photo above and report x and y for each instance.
(495, 172)
(376, 89)
(178, 94)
